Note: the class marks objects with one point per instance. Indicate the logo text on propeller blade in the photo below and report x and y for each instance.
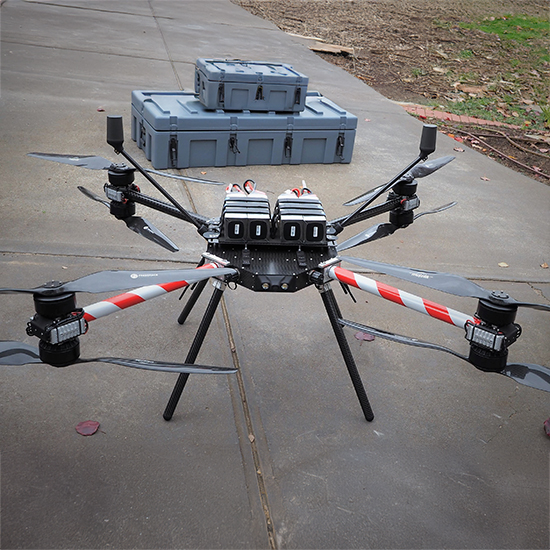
(420, 274)
(136, 275)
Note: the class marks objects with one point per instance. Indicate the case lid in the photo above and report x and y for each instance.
(181, 111)
(221, 70)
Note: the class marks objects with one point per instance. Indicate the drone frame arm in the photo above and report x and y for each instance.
(427, 147)
(186, 215)
(367, 214)
(164, 207)
(421, 305)
(115, 138)
(353, 217)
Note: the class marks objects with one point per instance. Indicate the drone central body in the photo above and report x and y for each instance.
(272, 251)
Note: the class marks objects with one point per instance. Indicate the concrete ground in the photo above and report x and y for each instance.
(278, 455)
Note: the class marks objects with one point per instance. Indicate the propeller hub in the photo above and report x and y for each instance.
(499, 296)
(52, 284)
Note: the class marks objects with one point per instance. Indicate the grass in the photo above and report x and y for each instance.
(520, 93)
(466, 54)
(519, 28)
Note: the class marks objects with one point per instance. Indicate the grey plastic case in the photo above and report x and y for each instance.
(249, 85)
(175, 130)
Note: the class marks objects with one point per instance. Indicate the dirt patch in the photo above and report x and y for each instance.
(484, 58)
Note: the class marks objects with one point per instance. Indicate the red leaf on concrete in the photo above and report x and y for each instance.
(363, 336)
(547, 426)
(88, 427)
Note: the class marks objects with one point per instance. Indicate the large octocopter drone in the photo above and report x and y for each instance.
(282, 250)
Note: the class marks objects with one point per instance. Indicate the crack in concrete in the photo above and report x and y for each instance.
(166, 48)
(250, 431)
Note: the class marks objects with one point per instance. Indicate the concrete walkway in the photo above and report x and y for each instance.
(278, 456)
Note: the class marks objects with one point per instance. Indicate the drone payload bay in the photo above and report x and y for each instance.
(283, 247)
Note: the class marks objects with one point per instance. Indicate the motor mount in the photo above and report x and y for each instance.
(57, 323)
(492, 334)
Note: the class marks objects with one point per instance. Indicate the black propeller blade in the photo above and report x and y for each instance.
(137, 224)
(93, 196)
(436, 210)
(372, 234)
(383, 230)
(85, 161)
(99, 163)
(527, 374)
(399, 338)
(445, 282)
(17, 354)
(146, 229)
(418, 171)
(113, 281)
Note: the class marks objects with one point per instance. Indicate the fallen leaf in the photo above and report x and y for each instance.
(458, 149)
(536, 168)
(544, 265)
(203, 173)
(88, 427)
(503, 264)
(367, 120)
(363, 336)
(547, 426)
(459, 139)
(485, 178)
(251, 437)
(439, 70)
(101, 109)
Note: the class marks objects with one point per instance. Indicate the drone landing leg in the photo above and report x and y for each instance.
(199, 287)
(333, 312)
(194, 349)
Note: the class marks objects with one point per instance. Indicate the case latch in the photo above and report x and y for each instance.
(173, 147)
(288, 146)
(142, 136)
(340, 143)
(260, 93)
(233, 144)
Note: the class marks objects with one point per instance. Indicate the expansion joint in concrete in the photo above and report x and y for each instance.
(250, 431)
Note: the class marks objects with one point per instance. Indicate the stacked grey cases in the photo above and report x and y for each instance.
(242, 113)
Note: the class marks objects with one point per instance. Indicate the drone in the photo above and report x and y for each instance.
(283, 249)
